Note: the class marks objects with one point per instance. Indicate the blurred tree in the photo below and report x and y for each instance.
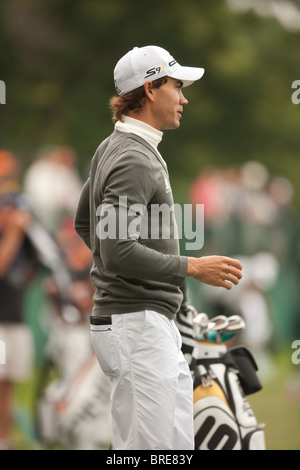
(57, 62)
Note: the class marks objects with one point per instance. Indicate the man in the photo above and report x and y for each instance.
(137, 269)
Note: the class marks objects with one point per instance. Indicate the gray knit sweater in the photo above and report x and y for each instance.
(123, 217)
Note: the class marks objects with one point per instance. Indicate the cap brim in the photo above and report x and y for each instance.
(187, 75)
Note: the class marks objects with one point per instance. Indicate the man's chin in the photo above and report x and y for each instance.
(172, 126)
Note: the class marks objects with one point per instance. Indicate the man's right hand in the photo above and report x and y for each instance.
(218, 271)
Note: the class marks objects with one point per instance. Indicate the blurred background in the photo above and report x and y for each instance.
(237, 152)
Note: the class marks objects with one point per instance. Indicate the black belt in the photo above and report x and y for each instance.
(100, 320)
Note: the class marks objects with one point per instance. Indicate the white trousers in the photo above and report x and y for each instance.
(151, 387)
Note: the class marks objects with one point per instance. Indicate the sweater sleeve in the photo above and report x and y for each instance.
(129, 189)
(82, 215)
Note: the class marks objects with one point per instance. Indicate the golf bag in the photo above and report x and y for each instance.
(222, 377)
(223, 417)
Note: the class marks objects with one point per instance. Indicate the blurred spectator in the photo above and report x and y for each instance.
(243, 206)
(16, 270)
(74, 408)
(70, 306)
(251, 300)
(249, 212)
(52, 184)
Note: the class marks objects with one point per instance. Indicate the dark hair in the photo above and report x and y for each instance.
(132, 101)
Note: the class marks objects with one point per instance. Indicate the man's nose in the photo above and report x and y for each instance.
(183, 99)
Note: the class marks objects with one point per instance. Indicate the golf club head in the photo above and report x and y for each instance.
(235, 324)
(217, 323)
(200, 322)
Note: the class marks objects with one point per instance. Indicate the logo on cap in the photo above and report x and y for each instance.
(159, 69)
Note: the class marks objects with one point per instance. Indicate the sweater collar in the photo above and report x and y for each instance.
(150, 134)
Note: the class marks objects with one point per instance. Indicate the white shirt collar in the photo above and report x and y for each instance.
(150, 134)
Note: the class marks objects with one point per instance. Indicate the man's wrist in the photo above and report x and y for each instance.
(191, 267)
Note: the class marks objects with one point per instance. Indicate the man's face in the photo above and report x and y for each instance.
(168, 104)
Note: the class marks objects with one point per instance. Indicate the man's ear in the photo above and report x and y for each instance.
(149, 90)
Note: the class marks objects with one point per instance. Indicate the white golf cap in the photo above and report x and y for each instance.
(150, 63)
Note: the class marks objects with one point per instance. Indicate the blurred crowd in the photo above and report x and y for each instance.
(38, 241)
(248, 214)
(243, 205)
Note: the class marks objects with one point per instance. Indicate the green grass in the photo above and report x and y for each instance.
(277, 405)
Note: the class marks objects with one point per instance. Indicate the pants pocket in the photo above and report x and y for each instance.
(105, 346)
